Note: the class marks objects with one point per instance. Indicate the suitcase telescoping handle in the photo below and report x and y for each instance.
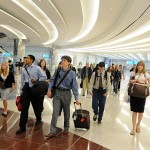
(75, 105)
(76, 108)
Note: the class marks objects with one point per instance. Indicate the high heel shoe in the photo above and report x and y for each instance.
(138, 130)
(132, 133)
(5, 115)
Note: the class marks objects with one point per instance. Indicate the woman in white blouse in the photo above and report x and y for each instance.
(137, 105)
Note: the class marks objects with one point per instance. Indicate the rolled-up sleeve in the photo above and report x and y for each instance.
(75, 87)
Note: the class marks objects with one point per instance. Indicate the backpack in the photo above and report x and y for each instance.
(96, 75)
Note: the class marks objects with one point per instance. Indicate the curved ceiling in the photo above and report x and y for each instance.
(115, 29)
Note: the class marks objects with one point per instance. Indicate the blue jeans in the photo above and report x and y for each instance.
(98, 102)
(115, 85)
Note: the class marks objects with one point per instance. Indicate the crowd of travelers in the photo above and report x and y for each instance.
(97, 82)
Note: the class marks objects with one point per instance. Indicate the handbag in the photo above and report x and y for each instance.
(138, 90)
(18, 103)
(53, 89)
(2, 84)
(39, 88)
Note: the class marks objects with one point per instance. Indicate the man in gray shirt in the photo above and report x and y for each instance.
(62, 98)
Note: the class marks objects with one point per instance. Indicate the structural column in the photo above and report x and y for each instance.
(54, 56)
(74, 60)
(19, 52)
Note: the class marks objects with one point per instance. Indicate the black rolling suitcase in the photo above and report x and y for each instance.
(81, 118)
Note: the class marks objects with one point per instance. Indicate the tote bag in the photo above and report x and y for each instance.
(138, 90)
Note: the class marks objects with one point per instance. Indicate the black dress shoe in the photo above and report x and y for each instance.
(38, 122)
(21, 130)
(99, 121)
(94, 117)
(51, 135)
(65, 132)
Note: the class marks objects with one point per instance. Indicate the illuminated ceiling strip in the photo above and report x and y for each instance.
(133, 47)
(109, 56)
(19, 34)
(58, 13)
(125, 56)
(108, 50)
(119, 56)
(143, 29)
(37, 13)
(134, 56)
(141, 56)
(130, 44)
(19, 22)
(90, 9)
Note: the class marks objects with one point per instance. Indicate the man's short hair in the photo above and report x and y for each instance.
(68, 58)
(32, 57)
(101, 64)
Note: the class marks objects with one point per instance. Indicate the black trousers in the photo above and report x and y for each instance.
(119, 85)
(36, 102)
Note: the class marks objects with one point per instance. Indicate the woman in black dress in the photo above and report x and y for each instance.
(137, 105)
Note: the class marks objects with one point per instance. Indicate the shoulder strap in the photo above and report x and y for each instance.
(63, 78)
(27, 71)
(96, 74)
(56, 76)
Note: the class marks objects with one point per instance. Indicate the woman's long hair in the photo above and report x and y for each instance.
(109, 69)
(41, 62)
(7, 69)
(142, 64)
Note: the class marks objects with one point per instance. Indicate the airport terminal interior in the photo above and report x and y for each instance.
(89, 32)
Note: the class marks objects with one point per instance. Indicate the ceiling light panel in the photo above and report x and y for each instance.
(133, 56)
(22, 23)
(31, 8)
(19, 34)
(141, 56)
(143, 29)
(90, 9)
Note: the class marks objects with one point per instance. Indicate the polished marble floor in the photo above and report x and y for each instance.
(113, 133)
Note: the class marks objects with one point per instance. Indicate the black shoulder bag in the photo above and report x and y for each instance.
(39, 88)
(54, 87)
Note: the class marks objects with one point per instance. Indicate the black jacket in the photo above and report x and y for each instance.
(116, 74)
(48, 74)
(83, 73)
(9, 80)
